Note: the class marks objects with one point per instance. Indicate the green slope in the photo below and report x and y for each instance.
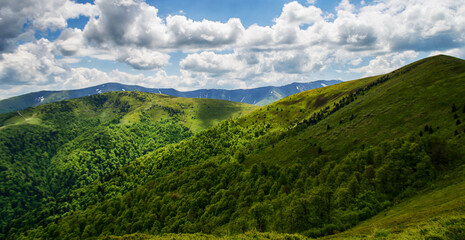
(435, 213)
(315, 163)
(49, 150)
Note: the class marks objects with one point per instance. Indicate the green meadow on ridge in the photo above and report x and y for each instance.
(351, 160)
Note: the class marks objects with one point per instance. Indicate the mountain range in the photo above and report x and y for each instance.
(257, 96)
(377, 157)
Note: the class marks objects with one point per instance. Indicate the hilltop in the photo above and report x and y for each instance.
(315, 163)
(257, 96)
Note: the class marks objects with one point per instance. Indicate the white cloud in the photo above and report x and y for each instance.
(212, 63)
(373, 29)
(31, 63)
(346, 6)
(456, 52)
(136, 24)
(386, 63)
(186, 33)
(142, 58)
(126, 23)
(295, 13)
(71, 42)
(55, 13)
(40, 15)
(311, 1)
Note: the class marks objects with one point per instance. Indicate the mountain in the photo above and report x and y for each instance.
(340, 160)
(48, 151)
(258, 96)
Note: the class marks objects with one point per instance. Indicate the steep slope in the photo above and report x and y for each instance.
(258, 96)
(49, 150)
(435, 213)
(315, 163)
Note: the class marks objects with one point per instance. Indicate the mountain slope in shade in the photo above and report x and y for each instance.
(257, 96)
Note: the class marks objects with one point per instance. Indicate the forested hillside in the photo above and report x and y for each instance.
(316, 163)
(48, 151)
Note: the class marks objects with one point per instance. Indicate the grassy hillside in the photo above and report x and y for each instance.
(315, 163)
(50, 150)
(130, 107)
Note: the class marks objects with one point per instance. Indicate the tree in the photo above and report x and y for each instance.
(454, 108)
(260, 213)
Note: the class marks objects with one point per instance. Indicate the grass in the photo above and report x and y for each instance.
(436, 213)
(404, 104)
(196, 114)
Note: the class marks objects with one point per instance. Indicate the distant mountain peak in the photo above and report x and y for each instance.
(259, 96)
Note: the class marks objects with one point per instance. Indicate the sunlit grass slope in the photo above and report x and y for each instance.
(414, 96)
(130, 107)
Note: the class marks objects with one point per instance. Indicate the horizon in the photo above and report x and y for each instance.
(65, 45)
(193, 90)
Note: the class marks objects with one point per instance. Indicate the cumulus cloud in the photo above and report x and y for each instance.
(186, 33)
(31, 63)
(386, 63)
(135, 23)
(38, 15)
(311, 1)
(212, 63)
(296, 14)
(142, 58)
(126, 22)
(303, 41)
(70, 42)
(53, 14)
(377, 28)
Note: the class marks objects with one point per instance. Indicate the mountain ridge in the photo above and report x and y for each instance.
(258, 96)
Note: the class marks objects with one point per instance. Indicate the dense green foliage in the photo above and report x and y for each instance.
(315, 163)
(49, 152)
(315, 197)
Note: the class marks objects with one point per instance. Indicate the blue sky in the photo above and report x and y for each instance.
(64, 44)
